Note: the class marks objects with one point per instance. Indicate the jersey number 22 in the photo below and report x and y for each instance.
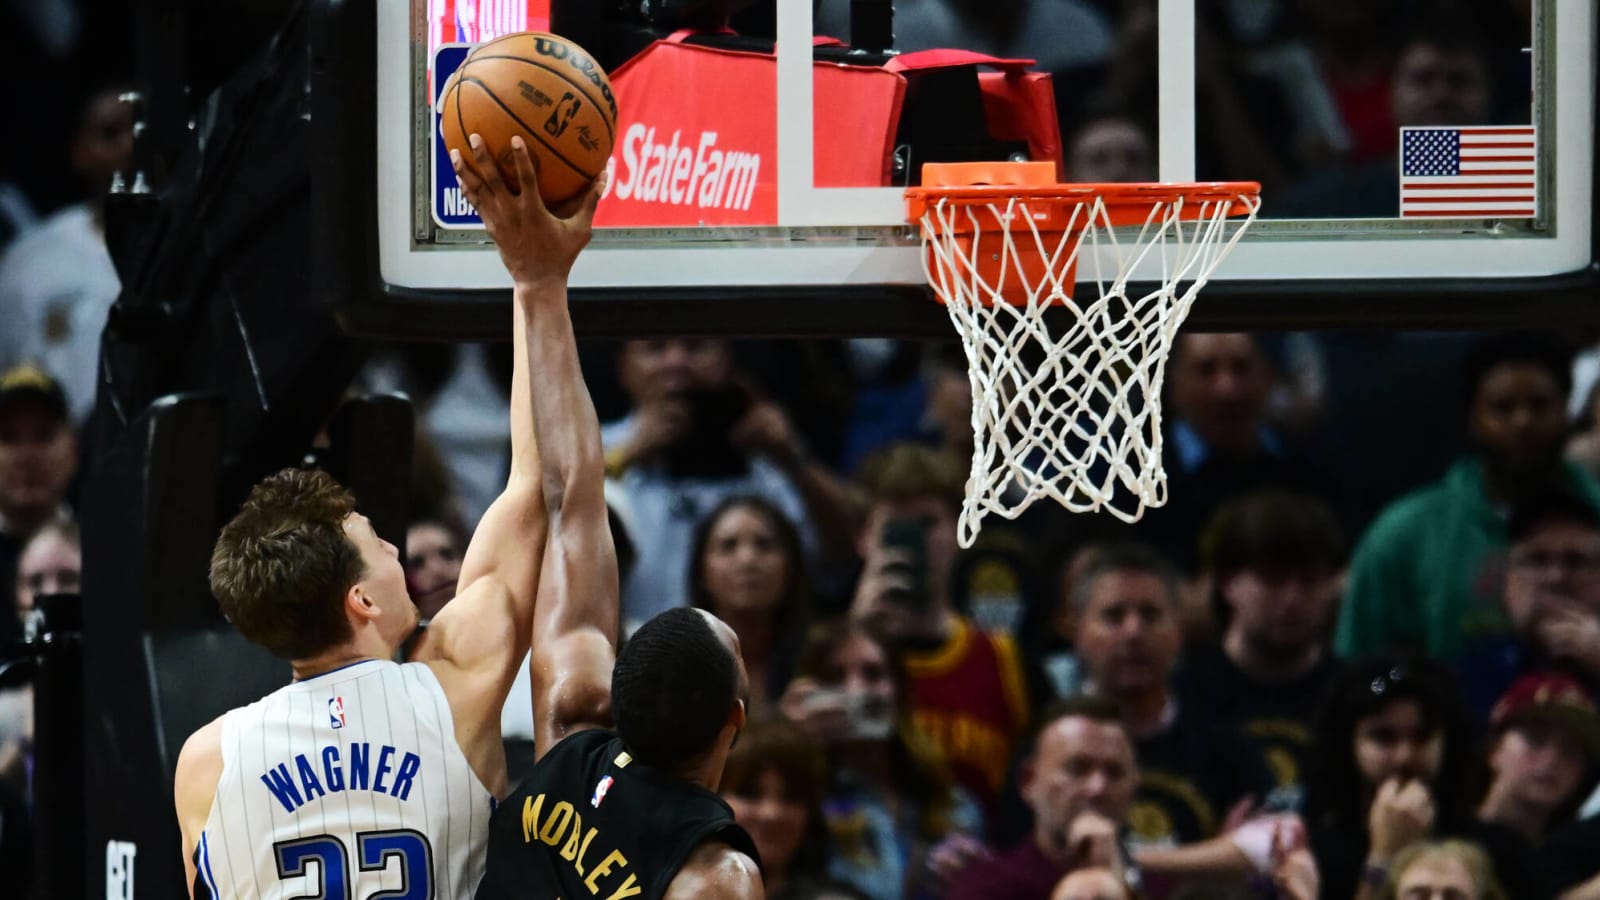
(374, 849)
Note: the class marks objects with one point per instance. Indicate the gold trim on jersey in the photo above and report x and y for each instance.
(942, 660)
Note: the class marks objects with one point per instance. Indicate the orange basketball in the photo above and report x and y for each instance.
(545, 88)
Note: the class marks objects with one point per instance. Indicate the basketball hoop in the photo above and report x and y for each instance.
(1066, 392)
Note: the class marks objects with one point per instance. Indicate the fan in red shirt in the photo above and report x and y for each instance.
(967, 690)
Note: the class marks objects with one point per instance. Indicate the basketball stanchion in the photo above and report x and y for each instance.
(1066, 385)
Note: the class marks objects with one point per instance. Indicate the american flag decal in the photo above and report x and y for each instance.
(1469, 173)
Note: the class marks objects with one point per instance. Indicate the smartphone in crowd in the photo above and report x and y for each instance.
(908, 538)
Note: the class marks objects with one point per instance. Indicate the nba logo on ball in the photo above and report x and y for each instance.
(336, 712)
(600, 792)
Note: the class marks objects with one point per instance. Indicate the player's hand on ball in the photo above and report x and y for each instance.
(536, 244)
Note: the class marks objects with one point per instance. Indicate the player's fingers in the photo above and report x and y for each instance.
(584, 217)
(527, 173)
(488, 169)
(471, 184)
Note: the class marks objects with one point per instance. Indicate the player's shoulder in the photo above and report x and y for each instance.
(204, 742)
(199, 765)
(717, 871)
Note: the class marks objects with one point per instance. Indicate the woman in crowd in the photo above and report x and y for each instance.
(748, 571)
(774, 781)
(1392, 766)
(898, 826)
(51, 562)
(434, 548)
(1455, 869)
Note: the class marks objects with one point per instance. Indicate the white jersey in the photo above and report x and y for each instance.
(346, 785)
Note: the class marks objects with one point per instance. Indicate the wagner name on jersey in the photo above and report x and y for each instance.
(349, 784)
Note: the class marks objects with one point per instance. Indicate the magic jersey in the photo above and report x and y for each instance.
(349, 784)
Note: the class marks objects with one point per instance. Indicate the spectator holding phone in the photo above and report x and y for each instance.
(966, 686)
(694, 437)
(899, 826)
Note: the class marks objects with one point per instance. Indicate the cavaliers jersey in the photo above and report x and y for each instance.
(968, 697)
(349, 784)
(590, 821)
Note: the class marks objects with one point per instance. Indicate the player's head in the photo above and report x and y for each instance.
(300, 572)
(678, 691)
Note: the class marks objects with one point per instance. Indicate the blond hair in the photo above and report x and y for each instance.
(1469, 855)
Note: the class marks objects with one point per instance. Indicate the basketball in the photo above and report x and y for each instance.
(546, 89)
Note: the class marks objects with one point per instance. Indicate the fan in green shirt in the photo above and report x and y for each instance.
(1428, 573)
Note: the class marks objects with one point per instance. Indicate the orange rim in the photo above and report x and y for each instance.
(982, 184)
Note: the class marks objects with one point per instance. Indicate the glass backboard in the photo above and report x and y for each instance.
(1407, 150)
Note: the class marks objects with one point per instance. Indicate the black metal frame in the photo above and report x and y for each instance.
(345, 200)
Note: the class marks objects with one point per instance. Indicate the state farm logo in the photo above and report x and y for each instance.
(675, 172)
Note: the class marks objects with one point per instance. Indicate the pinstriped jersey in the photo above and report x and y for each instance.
(345, 785)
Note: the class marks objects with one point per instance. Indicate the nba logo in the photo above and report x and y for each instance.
(336, 712)
(600, 792)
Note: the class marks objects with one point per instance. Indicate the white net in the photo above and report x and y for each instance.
(1066, 388)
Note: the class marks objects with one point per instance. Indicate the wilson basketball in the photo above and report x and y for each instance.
(546, 89)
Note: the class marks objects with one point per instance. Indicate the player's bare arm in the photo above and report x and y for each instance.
(574, 625)
(477, 642)
(194, 784)
(718, 872)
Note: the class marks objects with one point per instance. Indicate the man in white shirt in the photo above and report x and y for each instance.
(57, 281)
(693, 438)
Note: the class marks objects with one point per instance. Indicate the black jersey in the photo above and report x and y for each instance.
(589, 821)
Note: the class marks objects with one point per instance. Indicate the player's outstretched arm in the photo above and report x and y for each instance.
(478, 642)
(482, 635)
(575, 618)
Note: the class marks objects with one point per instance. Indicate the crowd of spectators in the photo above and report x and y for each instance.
(1287, 679)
